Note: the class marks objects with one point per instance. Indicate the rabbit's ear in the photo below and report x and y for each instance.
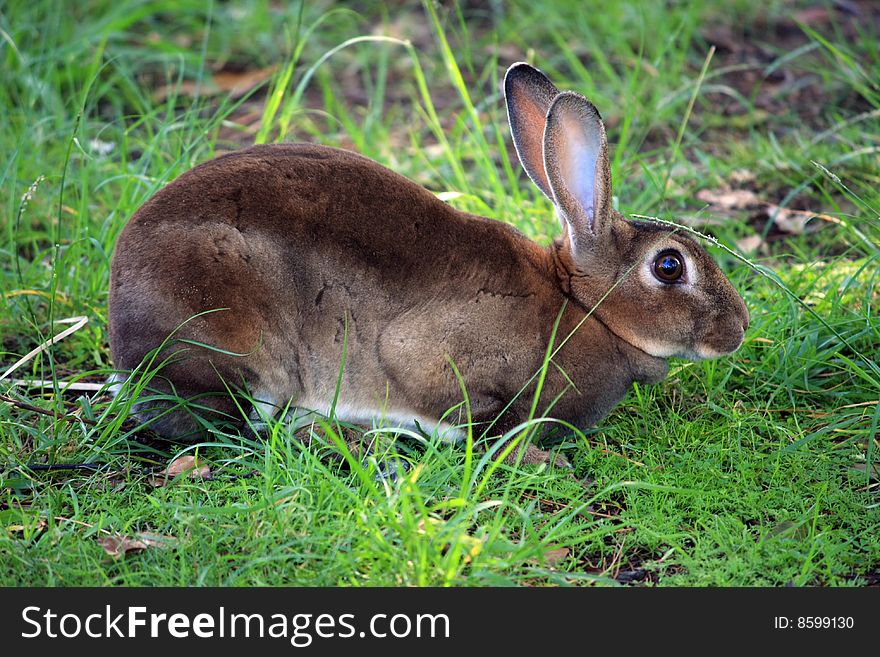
(529, 94)
(576, 162)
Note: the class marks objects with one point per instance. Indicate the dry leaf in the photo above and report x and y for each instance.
(188, 88)
(156, 540)
(184, 464)
(730, 199)
(38, 526)
(188, 463)
(117, 546)
(238, 83)
(722, 37)
(698, 221)
(741, 177)
(789, 221)
(862, 468)
(750, 244)
(813, 16)
(233, 83)
(553, 557)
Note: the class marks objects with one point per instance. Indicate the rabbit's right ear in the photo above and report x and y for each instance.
(529, 95)
(576, 165)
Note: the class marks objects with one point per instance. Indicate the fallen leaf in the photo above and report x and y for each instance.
(37, 526)
(741, 177)
(721, 36)
(553, 557)
(188, 463)
(189, 88)
(730, 199)
(789, 221)
(812, 16)
(698, 221)
(862, 468)
(184, 464)
(234, 83)
(156, 540)
(101, 147)
(117, 546)
(238, 83)
(750, 244)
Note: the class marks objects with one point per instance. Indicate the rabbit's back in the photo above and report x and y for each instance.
(320, 202)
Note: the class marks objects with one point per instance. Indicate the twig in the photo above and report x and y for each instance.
(65, 466)
(561, 506)
(36, 409)
(78, 323)
(63, 386)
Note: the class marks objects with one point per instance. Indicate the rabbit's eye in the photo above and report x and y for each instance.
(668, 267)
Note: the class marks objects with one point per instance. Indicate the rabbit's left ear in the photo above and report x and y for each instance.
(528, 94)
(576, 162)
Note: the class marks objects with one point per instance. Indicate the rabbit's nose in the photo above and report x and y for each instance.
(743, 312)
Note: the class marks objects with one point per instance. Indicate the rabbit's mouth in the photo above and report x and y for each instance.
(715, 348)
(711, 347)
(725, 336)
(705, 350)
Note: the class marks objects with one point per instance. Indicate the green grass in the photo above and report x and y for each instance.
(756, 469)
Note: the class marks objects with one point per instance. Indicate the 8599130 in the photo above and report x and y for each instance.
(814, 623)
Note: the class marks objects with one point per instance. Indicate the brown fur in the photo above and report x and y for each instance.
(310, 247)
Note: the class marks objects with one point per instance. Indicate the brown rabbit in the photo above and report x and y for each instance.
(309, 254)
